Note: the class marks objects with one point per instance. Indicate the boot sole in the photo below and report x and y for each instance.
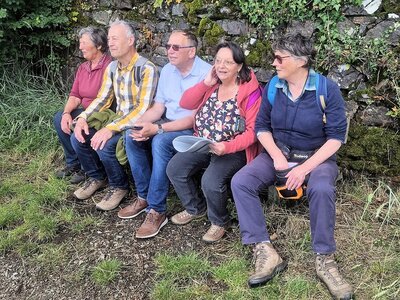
(155, 233)
(263, 280)
(132, 216)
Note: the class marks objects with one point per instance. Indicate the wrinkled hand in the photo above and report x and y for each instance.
(100, 138)
(217, 148)
(66, 122)
(295, 178)
(148, 130)
(81, 125)
(211, 77)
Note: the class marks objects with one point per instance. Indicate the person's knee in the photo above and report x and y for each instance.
(172, 168)
(161, 147)
(237, 180)
(211, 183)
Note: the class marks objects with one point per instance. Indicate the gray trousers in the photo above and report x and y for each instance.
(321, 193)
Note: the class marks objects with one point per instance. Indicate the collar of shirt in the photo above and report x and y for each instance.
(309, 86)
(196, 70)
(131, 64)
(87, 64)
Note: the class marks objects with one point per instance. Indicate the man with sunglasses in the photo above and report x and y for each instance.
(149, 145)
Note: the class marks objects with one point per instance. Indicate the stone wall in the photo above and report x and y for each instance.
(373, 144)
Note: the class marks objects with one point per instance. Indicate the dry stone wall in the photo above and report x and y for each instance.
(373, 144)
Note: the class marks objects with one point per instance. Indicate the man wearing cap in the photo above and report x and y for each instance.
(149, 145)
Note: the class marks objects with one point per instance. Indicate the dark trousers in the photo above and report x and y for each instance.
(321, 193)
(182, 170)
(71, 158)
(101, 163)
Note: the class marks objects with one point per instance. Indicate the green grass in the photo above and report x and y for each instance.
(106, 271)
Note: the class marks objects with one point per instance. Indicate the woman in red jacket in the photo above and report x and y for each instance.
(226, 103)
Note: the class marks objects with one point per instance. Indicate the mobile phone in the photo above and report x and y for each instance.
(134, 127)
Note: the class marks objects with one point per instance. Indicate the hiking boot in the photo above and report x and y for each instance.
(329, 274)
(152, 224)
(112, 199)
(214, 233)
(267, 262)
(133, 210)
(78, 177)
(67, 171)
(89, 188)
(184, 217)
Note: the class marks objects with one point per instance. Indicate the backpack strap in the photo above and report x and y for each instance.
(254, 96)
(272, 89)
(322, 94)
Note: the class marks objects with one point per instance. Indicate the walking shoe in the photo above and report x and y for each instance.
(152, 224)
(214, 233)
(184, 217)
(329, 274)
(67, 171)
(78, 177)
(89, 188)
(137, 207)
(267, 263)
(112, 199)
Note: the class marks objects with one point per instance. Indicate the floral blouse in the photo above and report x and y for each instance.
(217, 120)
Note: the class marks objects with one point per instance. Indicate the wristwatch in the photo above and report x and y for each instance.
(160, 129)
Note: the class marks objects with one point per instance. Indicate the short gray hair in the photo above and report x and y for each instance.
(297, 45)
(130, 29)
(97, 35)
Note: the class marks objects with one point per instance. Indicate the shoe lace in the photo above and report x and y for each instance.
(214, 230)
(184, 214)
(150, 218)
(88, 183)
(260, 257)
(109, 194)
(329, 266)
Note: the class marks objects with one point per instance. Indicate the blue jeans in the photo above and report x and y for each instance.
(148, 161)
(101, 163)
(321, 194)
(182, 170)
(71, 157)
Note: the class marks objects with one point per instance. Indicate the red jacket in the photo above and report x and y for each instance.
(196, 96)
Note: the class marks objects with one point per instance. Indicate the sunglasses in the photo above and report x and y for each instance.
(279, 58)
(176, 47)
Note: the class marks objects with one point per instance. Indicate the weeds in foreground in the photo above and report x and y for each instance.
(106, 271)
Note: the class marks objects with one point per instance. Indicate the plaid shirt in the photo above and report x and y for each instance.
(132, 100)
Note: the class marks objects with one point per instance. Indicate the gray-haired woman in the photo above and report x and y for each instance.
(88, 78)
(294, 121)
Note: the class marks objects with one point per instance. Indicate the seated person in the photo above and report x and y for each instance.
(225, 114)
(130, 82)
(295, 121)
(150, 148)
(88, 78)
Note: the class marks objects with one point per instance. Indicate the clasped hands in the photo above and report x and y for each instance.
(148, 130)
(295, 177)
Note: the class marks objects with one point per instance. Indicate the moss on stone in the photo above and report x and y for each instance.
(212, 36)
(192, 8)
(259, 54)
(371, 149)
(391, 6)
(205, 24)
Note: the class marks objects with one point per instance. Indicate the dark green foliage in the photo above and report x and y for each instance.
(34, 30)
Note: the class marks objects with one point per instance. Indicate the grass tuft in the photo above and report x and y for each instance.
(106, 271)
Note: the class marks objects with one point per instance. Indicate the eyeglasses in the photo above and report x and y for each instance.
(176, 47)
(226, 63)
(279, 58)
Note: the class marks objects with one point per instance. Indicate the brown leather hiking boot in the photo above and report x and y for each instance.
(184, 217)
(214, 234)
(329, 274)
(138, 206)
(152, 224)
(112, 199)
(89, 188)
(267, 262)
